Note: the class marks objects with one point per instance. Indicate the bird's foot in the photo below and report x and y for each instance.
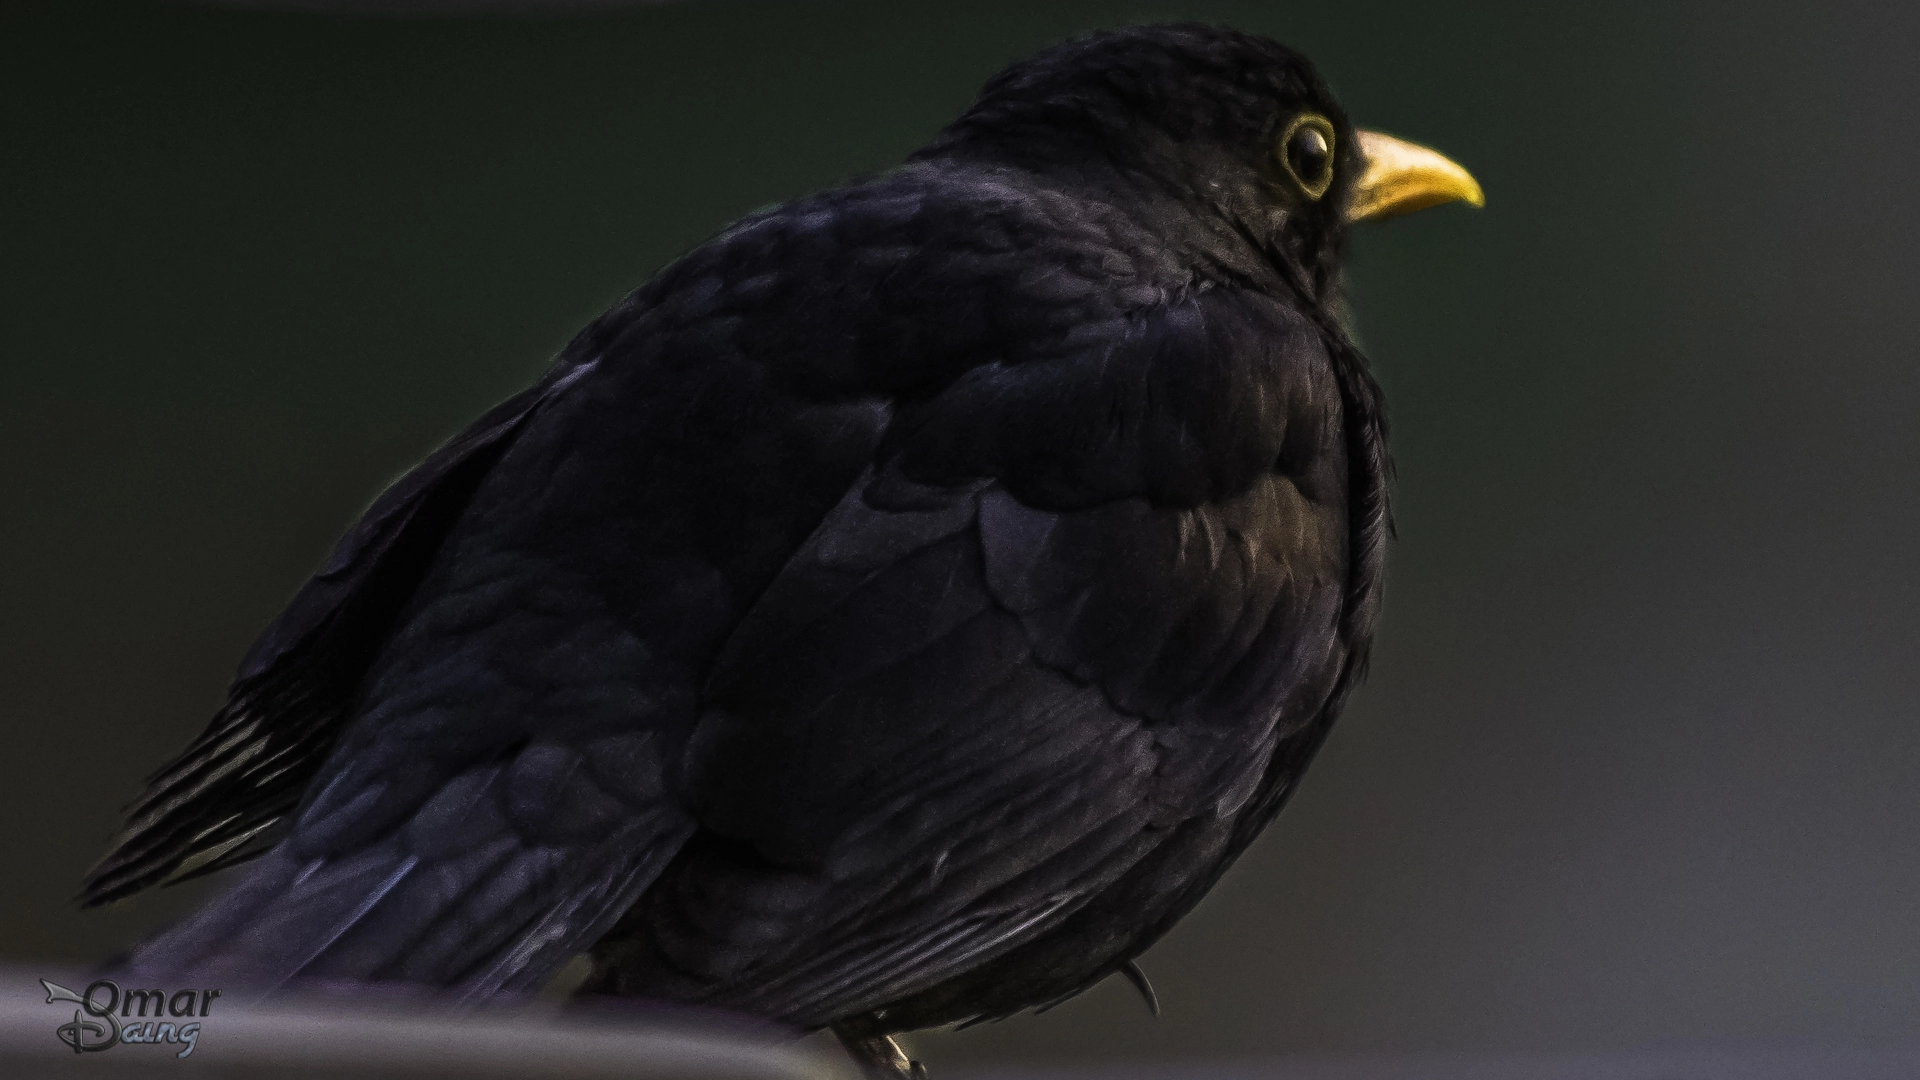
(882, 1059)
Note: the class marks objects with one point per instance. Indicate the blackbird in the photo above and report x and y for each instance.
(898, 612)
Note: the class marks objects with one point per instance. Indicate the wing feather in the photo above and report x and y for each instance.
(217, 803)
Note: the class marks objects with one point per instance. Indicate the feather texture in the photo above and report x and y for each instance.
(898, 612)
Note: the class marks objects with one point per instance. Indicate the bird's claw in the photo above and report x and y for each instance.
(882, 1059)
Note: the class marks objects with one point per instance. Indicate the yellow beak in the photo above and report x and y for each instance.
(1401, 178)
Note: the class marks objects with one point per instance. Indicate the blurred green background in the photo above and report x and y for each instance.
(1638, 764)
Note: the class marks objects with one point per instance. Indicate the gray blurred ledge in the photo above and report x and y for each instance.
(374, 1039)
(1730, 1065)
(298, 1039)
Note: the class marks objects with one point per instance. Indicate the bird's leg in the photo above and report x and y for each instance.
(880, 1058)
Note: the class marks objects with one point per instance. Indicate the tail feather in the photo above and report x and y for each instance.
(501, 918)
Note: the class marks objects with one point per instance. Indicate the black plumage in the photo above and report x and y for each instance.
(899, 611)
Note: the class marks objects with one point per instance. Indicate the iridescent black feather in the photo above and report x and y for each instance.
(898, 612)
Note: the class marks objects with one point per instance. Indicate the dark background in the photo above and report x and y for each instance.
(1637, 767)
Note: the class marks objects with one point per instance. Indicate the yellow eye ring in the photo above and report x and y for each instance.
(1306, 152)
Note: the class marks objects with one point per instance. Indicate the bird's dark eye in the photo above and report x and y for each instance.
(1307, 151)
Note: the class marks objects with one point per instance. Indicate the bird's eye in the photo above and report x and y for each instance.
(1307, 151)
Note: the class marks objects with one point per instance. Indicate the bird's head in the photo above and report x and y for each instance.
(1204, 126)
